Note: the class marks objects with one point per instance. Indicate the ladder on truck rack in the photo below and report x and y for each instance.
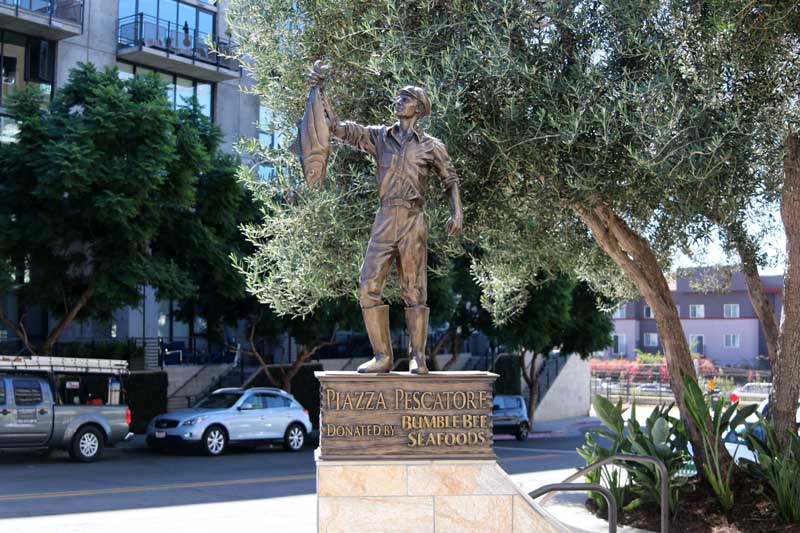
(62, 364)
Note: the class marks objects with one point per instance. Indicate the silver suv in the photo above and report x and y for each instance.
(234, 416)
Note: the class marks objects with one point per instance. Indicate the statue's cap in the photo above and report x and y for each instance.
(419, 94)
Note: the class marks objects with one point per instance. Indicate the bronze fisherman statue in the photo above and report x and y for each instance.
(404, 157)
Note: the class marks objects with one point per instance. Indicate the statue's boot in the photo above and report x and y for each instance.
(376, 320)
(417, 324)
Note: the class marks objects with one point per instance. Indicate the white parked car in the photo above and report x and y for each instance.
(751, 392)
(234, 416)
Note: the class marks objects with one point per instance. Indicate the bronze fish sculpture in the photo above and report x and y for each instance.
(313, 143)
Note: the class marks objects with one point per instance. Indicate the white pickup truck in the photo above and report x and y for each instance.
(45, 404)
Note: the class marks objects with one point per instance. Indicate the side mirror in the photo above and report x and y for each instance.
(246, 407)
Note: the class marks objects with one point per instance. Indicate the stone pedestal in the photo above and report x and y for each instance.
(420, 496)
(414, 453)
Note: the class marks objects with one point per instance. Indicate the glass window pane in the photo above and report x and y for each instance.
(185, 92)
(170, 92)
(205, 23)
(204, 98)
(168, 11)
(187, 21)
(143, 71)
(168, 24)
(125, 71)
(149, 7)
(2, 392)
(27, 392)
(13, 63)
(127, 8)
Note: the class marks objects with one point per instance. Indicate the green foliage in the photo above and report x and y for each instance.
(203, 238)
(647, 358)
(510, 372)
(662, 437)
(722, 419)
(305, 387)
(88, 189)
(779, 466)
(146, 394)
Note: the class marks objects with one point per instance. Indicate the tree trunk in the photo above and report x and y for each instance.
(786, 366)
(66, 320)
(637, 260)
(766, 315)
(533, 394)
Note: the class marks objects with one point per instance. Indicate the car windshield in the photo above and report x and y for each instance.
(219, 400)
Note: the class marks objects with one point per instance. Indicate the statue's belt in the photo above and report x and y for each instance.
(408, 204)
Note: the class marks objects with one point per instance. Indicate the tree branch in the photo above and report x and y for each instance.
(18, 328)
(67, 319)
(254, 350)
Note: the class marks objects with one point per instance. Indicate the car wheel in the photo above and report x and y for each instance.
(87, 445)
(215, 440)
(522, 431)
(294, 438)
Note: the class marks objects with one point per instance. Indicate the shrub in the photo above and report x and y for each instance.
(508, 369)
(718, 476)
(146, 396)
(663, 437)
(779, 467)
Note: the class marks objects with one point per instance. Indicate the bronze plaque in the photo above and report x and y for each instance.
(442, 415)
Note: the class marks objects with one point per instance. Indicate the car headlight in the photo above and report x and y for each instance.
(193, 421)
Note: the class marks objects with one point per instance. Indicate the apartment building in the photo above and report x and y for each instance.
(41, 40)
(718, 320)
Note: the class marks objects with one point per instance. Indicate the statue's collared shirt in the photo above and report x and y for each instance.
(403, 165)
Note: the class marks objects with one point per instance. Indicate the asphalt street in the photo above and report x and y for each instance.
(133, 478)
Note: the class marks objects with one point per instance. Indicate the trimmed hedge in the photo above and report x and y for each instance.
(508, 368)
(146, 394)
(305, 387)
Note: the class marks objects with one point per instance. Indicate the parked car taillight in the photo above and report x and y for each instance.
(128, 416)
(734, 397)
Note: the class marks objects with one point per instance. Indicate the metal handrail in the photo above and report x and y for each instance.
(203, 47)
(582, 487)
(49, 9)
(659, 464)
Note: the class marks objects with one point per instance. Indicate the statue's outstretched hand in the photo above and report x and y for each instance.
(318, 74)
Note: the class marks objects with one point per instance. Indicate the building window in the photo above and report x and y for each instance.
(618, 344)
(24, 62)
(731, 340)
(651, 339)
(697, 344)
(648, 312)
(731, 310)
(619, 312)
(268, 138)
(179, 90)
(697, 311)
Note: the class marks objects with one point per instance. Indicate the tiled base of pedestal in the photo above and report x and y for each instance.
(424, 496)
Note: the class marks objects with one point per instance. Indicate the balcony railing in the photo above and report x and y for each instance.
(65, 10)
(140, 30)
